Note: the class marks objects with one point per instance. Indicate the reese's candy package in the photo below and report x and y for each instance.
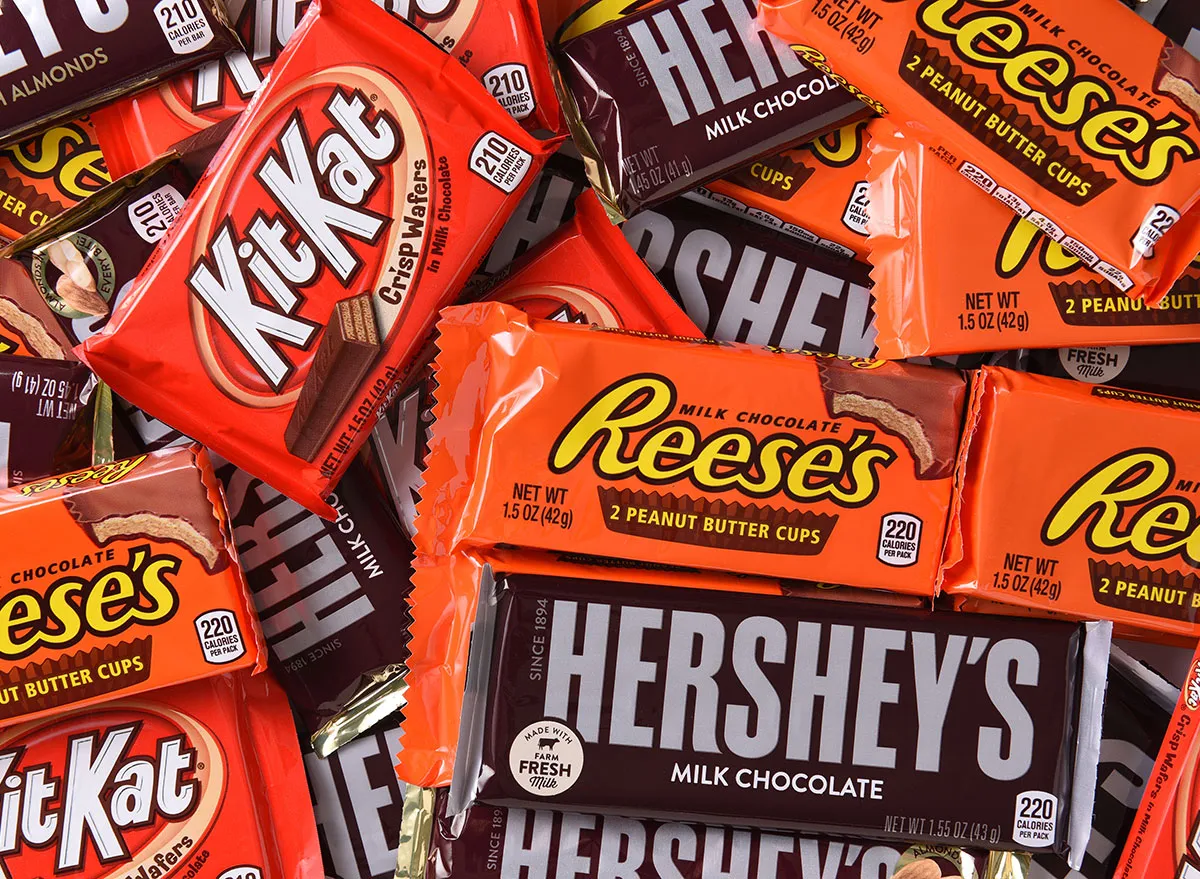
(500, 41)
(1014, 286)
(1075, 116)
(571, 845)
(199, 779)
(285, 302)
(686, 452)
(1015, 720)
(1059, 506)
(46, 174)
(816, 192)
(28, 327)
(584, 273)
(119, 578)
(686, 91)
(741, 282)
(42, 406)
(359, 801)
(1165, 837)
(330, 595)
(63, 58)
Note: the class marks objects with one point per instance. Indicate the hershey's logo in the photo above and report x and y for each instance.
(767, 299)
(319, 190)
(305, 588)
(100, 793)
(738, 43)
(626, 427)
(97, 16)
(752, 661)
(358, 800)
(541, 844)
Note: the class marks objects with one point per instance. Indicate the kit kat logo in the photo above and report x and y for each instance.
(128, 789)
(1124, 505)
(220, 89)
(1191, 694)
(328, 198)
(633, 430)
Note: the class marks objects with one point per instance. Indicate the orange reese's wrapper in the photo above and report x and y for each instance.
(1013, 286)
(1059, 506)
(1081, 117)
(118, 579)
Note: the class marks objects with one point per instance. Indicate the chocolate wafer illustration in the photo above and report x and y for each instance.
(347, 352)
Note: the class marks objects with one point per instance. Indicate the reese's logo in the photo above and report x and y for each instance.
(630, 432)
(1123, 505)
(136, 592)
(983, 35)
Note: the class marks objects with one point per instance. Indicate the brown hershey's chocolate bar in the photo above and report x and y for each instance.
(347, 352)
(776, 712)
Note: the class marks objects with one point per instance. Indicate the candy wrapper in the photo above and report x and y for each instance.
(44, 407)
(421, 179)
(1014, 287)
(201, 778)
(43, 176)
(816, 192)
(499, 41)
(62, 58)
(1165, 837)
(740, 282)
(556, 699)
(120, 579)
(572, 844)
(330, 595)
(1058, 508)
(1081, 118)
(674, 113)
(358, 803)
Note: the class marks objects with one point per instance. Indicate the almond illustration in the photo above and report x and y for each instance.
(76, 287)
(922, 869)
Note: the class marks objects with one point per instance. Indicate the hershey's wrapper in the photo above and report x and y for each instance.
(358, 801)
(1155, 369)
(43, 418)
(64, 57)
(569, 845)
(686, 91)
(949, 729)
(742, 282)
(331, 597)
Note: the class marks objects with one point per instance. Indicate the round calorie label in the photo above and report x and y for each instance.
(185, 25)
(220, 638)
(1035, 821)
(546, 758)
(509, 84)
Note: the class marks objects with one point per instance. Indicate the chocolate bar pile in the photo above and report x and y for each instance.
(581, 439)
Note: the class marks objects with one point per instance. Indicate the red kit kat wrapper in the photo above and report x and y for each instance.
(349, 204)
(499, 41)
